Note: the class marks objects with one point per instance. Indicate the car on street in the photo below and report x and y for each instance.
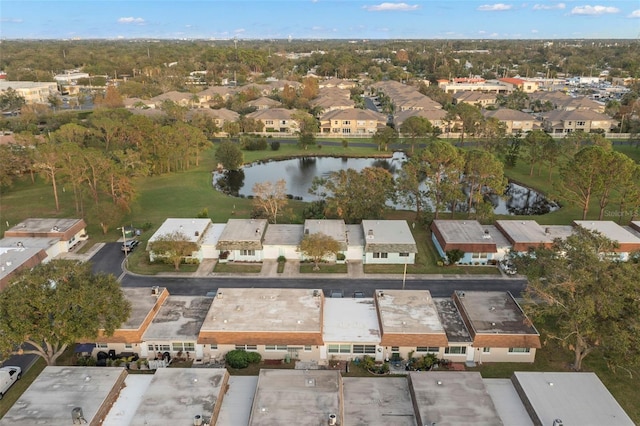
(8, 376)
(358, 294)
(129, 245)
(336, 294)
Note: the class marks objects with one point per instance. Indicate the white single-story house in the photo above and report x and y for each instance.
(193, 230)
(626, 241)
(241, 240)
(282, 240)
(481, 244)
(388, 241)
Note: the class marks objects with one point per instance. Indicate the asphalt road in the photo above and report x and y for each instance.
(109, 260)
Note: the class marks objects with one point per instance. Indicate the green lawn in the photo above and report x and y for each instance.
(238, 268)
(325, 268)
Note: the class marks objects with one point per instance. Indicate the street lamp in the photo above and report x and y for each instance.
(124, 247)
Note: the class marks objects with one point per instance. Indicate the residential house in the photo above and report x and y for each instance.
(263, 103)
(138, 103)
(480, 85)
(437, 117)
(219, 116)
(405, 97)
(215, 95)
(514, 83)
(475, 97)
(352, 121)
(514, 121)
(500, 331)
(180, 98)
(337, 82)
(241, 240)
(17, 258)
(626, 241)
(276, 119)
(409, 323)
(525, 235)
(192, 230)
(282, 240)
(388, 242)
(69, 232)
(350, 329)
(290, 323)
(329, 99)
(560, 122)
(175, 329)
(481, 244)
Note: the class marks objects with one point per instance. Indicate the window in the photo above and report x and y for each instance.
(346, 130)
(455, 350)
(486, 350)
(479, 255)
(364, 349)
(519, 350)
(580, 123)
(247, 347)
(275, 347)
(247, 252)
(162, 348)
(183, 346)
(128, 346)
(403, 254)
(395, 348)
(380, 255)
(307, 348)
(429, 349)
(213, 347)
(268, 122)
(346, 123)
(342, 349)
(104, 345)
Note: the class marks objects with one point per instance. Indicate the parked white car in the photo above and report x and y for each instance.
(8, 376)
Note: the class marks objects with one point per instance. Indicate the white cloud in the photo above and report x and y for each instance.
(239, 31)
(556, 6)
(11, 20)
(593, 10)
(494, 7)
(534, 31)
(131, 20)
(383, 7)
(634, 14)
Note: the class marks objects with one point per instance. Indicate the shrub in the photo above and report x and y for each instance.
(340, 256)
(240, 358)
(281, 259)
(275, 145)
(345, 143)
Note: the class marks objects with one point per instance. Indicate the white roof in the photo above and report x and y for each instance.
(609, 229)
(193, 229)
(350, 320)
(212, 234)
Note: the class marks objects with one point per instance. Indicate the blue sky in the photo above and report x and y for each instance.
(319, 19)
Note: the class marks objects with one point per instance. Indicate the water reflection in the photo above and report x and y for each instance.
(300, 172)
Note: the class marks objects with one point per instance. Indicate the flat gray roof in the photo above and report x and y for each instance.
(297, 397)
(452, 398)
(236, 406)
(529, 231)
(57, 390)
(574, 398)
(265, 310)
(507, 402)
(334, 228)
(350, 320)
(609, 229)
(176, 395)
(14, 258)
(44, 225)
(462, 231)
(494, 312)
(179, 318)
(408, 311)
(371, 400)
(244, 230)
(212, 234)
(355, 235)
(387, 232)
(283, 235)
(452, 321)
(142, 302)
(28, 242)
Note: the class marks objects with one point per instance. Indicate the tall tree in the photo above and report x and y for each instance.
(47, 162)
(588, 301)
(470, 116)
(535, 143)
(317, 247)
(229, 155)
(57, 304)
(483, 175)
(581, 177)
(173, 247)
(270, 198)
(353, 195)
(384, 137)
(617, 169)
(415, 127)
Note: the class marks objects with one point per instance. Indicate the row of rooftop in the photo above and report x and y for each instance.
(210, 396)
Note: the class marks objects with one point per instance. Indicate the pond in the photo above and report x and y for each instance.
(300, 172)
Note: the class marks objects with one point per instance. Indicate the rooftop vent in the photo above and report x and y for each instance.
(19, 244)
(197, 420)
(333, 420)
(493, 308)
(306, 231)
(77, 417)
(461, 294)
(547, 231)
(557, 422)
(257, 231)
(197, 233)
(155, 290)
(370, 234)
(486, 235)
(381, 294)
(55, 228)
(219, 295)
(316, 293)
(439, 383)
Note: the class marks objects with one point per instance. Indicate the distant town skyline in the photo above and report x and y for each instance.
(319, 19)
